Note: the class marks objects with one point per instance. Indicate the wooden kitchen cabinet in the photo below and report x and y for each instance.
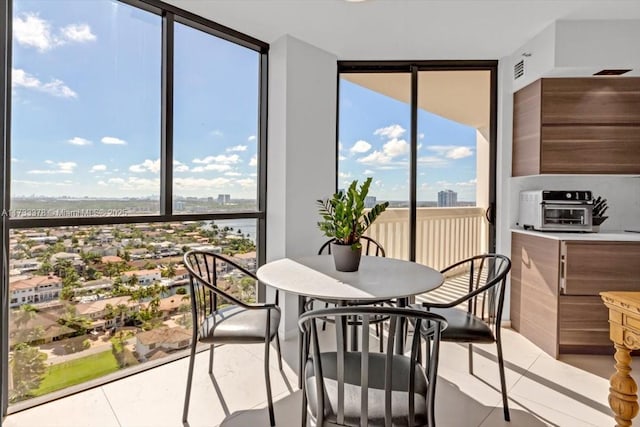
(577, 125)
(555, 286)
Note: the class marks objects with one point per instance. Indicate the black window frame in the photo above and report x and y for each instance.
(170, 15)
(413, 68)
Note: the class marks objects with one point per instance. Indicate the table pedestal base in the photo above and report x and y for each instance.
(623, 393)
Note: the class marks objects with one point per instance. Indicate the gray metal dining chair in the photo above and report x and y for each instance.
(474, 318)
(361, 388)
(221, 318)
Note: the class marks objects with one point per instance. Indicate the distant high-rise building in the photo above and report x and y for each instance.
(223, 199)
(369, 202)
(447, 198)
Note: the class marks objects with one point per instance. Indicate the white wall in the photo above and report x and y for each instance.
(301, 156)
(579, 48)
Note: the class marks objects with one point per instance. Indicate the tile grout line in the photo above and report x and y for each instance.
(511, 388)
(111, 406)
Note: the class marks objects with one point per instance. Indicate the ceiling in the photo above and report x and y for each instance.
(406, 29)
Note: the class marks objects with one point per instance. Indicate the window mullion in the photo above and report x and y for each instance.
(166, 150)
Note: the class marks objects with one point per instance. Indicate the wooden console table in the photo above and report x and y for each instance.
(624, 331)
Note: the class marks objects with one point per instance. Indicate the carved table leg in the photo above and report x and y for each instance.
(623, 393)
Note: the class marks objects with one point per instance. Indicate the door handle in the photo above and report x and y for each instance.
(489, 214)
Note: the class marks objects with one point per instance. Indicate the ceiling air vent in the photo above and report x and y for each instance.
(518, 69)
(611, 72)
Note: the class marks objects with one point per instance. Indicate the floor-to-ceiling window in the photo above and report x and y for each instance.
(425, 133)
(132, 133)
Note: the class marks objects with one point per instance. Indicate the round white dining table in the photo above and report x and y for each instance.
(377, 279)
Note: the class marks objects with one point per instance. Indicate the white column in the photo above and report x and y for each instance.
(301, 156)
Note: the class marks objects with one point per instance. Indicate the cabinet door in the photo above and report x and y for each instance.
(534, 289)
(590, 149)
(584, 325)
(526, 131)
(591, 101)
(589, 268)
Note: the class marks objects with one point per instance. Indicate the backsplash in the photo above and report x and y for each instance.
(622, 194)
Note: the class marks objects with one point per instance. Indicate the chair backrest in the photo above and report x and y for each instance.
(371, 374)
(369, 247)
(216, 280)
(485, 276)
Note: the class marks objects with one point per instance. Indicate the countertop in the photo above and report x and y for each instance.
(602, 236)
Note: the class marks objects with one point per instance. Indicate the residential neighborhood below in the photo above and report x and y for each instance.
(90, 300)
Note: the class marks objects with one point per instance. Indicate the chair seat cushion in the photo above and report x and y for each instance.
(376, 413)
(463, 326)
(234, 324)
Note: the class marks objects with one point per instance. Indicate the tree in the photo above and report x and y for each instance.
(28, 367)
(74, 321)
(169, 271)
(45, 268)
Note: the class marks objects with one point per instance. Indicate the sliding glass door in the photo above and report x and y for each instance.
(425, 132)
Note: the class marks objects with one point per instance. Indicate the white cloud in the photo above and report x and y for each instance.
(180, 167)
(432, 161)
(217, 133)
(421, 136)
(98, 168)
(41, 184)
(342, 158)
(246, 183)
(62, 168)
(221, 159)
(200, 183)
(368, 172)
(67, 166)
(112, 140)
(77, 33)
(14, 159)
(453, 152)
(231, 173)
(344, 175)
(55, 87)
(253, 161)
(395, 147)
(340, 146)
(459, 153)
(252, 138)
(32, 31)
(393, 131)
(376, 157)
(76, 140)
(148, 165)
(134, 183)
(237, 148)
(360, 146)
(212, 167)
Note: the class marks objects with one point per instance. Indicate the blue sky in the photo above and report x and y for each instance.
(374, 142)
(86, 114)
(86, 105)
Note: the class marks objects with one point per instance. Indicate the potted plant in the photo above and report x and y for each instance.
(345, 220)
(597, 216)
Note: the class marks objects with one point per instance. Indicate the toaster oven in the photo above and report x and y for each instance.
(552, 210)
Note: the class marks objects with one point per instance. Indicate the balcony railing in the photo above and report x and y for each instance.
(444, 235)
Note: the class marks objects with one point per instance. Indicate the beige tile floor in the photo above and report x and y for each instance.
(542, 392)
